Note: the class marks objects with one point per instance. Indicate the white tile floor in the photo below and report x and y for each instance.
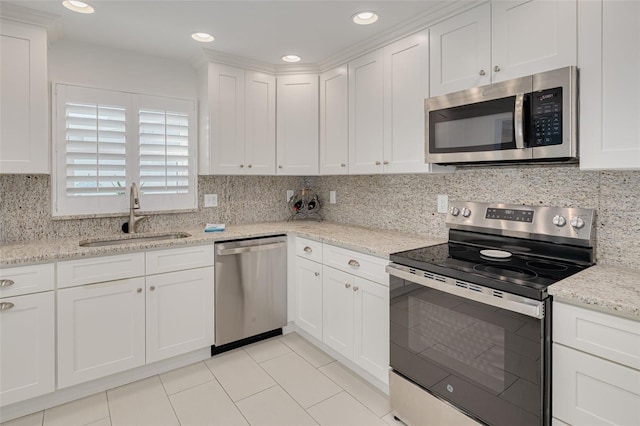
(281, 381)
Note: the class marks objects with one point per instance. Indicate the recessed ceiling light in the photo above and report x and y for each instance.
(291, 58)
(78, 6)
(365, 17)
(202, 37)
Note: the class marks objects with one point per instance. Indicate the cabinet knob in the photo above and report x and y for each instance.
(356, 288)
(153, 287)
(496, 68)
(308, 249)
(5, 306)
(249, 166)
(241, 166)
(378, 163)
(139, 290)
(6, 283)
(347, 285)
(482, 73)
(354, 263)
(385, 162)
(280, 166)
(317, 274)
(343, 165)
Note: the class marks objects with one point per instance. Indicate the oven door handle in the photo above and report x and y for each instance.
(510, 302)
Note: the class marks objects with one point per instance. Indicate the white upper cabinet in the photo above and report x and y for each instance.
(334, 122)
(297, 125)
(532, 36)
(502, 40)
(366, 111)
(260, 123)
(461, 51)
(406, 85)
(24, 129)
(237, 120)
(609, 61)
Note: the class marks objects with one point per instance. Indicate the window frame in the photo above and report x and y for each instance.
(64, 206)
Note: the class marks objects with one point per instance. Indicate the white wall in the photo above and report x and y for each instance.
(107, 68)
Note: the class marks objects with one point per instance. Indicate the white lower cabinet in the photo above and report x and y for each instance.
(309, 296)
(596, 367)
(101, 330)
(27, 352)
(179, 313)
(338, 309)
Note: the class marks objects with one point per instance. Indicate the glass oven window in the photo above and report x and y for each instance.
(485, 360)
(484, 126)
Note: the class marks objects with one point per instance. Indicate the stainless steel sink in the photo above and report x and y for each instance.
(132, 239)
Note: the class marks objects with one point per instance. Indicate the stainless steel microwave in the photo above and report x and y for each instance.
(528, 119)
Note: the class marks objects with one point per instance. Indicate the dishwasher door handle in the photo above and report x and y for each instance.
(251, 249)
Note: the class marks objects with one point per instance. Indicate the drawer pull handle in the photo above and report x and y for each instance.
(317, 274)
(139, 290)
(307, 249)
(347, 285)
(356, 288)
(354, 263)
(6, 283)
(153, 287)
(5, 306)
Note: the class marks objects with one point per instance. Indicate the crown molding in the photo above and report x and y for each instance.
(437, 13)
(25, 15)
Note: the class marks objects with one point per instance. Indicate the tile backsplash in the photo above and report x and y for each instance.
(399, 202)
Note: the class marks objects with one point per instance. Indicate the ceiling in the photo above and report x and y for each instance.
(262, 31)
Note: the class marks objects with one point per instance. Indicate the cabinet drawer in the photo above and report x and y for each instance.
(26, 279)
(360, 264)
(170, 260)
(72, 273)
(309, 249)
(607, 336)
(588, 390)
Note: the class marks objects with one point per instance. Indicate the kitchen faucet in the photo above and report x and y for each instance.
(134, 204)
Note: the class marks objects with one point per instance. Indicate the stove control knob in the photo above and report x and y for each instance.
(466, 212)
(577, 222)
(559, 221)
(455, 211)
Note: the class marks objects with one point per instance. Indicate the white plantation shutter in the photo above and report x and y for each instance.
(104, 140)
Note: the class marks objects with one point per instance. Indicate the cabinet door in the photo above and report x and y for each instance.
(406, 85)
(337, 312)
(588, 390)
(101, 330)
(532, 36)
(226, 106)
(297, 128)
(260, 123)
(609, 85)
(24, 128)
(309, 296)
(334, 122)
(179, 312)
(27, 353)
(366, 111)
(461, 51)
(371, 328)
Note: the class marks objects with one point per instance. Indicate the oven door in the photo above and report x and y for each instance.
(488, 361)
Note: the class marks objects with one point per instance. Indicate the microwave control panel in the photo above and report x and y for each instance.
(546, 112)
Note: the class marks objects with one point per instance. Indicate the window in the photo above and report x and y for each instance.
(105, 140)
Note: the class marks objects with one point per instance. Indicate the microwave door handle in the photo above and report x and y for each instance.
(518, 118)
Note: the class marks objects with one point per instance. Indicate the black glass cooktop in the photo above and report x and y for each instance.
(521, 267)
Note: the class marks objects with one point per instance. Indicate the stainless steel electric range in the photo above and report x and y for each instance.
(471, 318)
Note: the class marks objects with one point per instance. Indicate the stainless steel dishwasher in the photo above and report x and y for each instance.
(250, 288)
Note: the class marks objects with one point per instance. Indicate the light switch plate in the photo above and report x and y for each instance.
(443, 203)
(332, 197)
(211, 200)
(289, 194)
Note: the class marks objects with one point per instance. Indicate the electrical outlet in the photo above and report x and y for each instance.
(211, 200)
(289, 194)
(332, 197)
(443, 203)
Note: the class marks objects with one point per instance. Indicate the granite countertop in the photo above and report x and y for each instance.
(373, 241)
(608, 289)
